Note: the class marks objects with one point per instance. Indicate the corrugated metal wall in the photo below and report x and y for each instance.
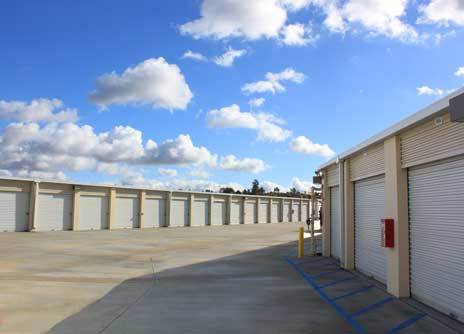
(369, 163)
(333, 176)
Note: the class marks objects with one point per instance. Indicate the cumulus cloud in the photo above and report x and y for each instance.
(274, 82)
(167, 172)
(38, 110)
(298, 34)
(459, 72)
(258, 102)
(299, 185)
(202, 174)
(227, 58)
(194, 55)
(303, 145)
(426, 90)
(268, 126)
(154, 82)
(246, 165)
(444, 12)
(237, 18)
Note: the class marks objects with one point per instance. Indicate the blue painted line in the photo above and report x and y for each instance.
(352, 293)
(356, 326)
(327, 273)
(313, 261)
(406, 324)
(372, 306)
(336, 282)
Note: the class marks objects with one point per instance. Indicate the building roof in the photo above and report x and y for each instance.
(433, 109)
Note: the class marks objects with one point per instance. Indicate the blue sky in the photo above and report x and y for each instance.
(340, 72)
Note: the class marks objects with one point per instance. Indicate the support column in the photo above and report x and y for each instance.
(257, 211)
(143, 195)
(243, 210)
(290, 219)
(168, 209)
(33, 205)
(325, 215)
(229, 210)
(281, 216)
(300, 213)
(349, 218)
(269, 211)
(75, 208)
(341, 186)
(210, 210)
(111, 208)
(396, 196)
(191, 203)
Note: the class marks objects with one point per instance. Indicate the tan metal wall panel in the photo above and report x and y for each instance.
(14, 186)
(431, 141)
(55, 188)
(368, 163)
(333, 176)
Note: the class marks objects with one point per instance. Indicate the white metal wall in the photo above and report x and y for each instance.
(335, 227)
(14, 207)
(155, 212)
(179, 212)
(219, 212)
(200, 211)
(236, 209)
(54, 212)
(127, 212)
(93, 212)
(264, 211)
(369, 209)
(250, 211)
(436, 214)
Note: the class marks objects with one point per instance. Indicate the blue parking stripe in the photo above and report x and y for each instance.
(405, 324)
(327, 273)
(336, 282)
(372, 306)
(352, 293)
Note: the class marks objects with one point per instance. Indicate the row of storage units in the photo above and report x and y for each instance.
(62, 207)
(418, 173)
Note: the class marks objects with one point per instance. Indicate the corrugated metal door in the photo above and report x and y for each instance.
(127, 212)
(235, 212)
(436, 218)
(295, 212)
(179, 212)
(287, 211)
(155, 213)
(335, 228)
(304, 212)
(200, 212)
(54, 212)
(263, 211)
(369, 209)
(219, 212)
(14, 207)
(275, 212)
(93, 212)
(250, 212)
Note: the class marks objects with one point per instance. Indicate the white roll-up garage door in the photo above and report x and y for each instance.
(14, 207)
(436, 218)
(295, 212)
(335, 227)
(236, 212)
(219, 212)
(369, 209)
(93, 212)
(155, 213)
(304, 212)
(200, 212)
(250, 212)
(264, 211)
(126, 212)
(287, 211)
(275, 212)
(54, 212)
(179, 212)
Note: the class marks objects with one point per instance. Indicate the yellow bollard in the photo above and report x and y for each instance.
(300, 242)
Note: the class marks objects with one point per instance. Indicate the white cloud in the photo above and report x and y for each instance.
(295, 5)
(459, 72)
(194, 55)
(237, 18)
(443, 12)
(302, 186)
(267, 125)
(299, 185)
(38, 110)
(167, 172)
(273, 82)
(153, 82)
(246, 165)
(202, 174)
(258, 102)
(298, 35)
(227, 58)
(426, 90)
(303, 145)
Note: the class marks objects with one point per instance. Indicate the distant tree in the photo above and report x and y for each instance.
(227, 190)
(276, 190)
(238, 192)
(255, 189)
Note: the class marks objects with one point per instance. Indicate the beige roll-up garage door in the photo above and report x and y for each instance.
(127, 212)
(179, 212)
(296, 211)
(335, 227)
(264, 211)
(93, 212)
(275, 212)
(369, 207)
(200, 211)
(54, 212)
(304, 212)
(219, 212)
(287, 211)
(236, 212)
(250, 211)
(14, 207)
(436, 222)
(155, 212)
